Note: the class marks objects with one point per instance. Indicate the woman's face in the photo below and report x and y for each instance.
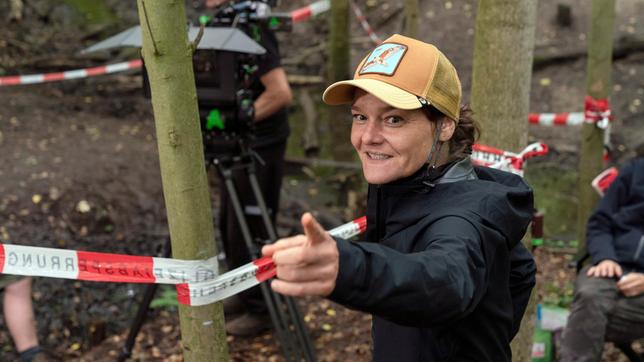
(392, 143)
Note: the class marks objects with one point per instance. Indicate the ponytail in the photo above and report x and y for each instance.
(467, 132)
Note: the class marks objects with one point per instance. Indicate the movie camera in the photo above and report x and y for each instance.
(224, 79)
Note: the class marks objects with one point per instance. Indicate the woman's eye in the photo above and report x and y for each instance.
(358, 117)
(394, 120)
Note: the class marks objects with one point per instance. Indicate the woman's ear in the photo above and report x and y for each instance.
(448, 126)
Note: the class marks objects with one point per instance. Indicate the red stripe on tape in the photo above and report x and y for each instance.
(13, 80)
(561, 119)
(53, 76)
(265, 268)
(301, 14)
(96, 70)
(183, 294)
(362, 223)
(487, 149)
(533, 118)
(2, 258)
(136, 63)
(115, 267)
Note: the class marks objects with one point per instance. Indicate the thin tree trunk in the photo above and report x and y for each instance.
(502, 70)
(339, 120)
(168, 58)
(412, 12)
(598, 83)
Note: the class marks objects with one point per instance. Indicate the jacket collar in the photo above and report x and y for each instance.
(455, 171)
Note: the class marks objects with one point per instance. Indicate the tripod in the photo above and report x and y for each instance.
(285, 315)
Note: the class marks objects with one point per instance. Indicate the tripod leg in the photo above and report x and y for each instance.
(296, 317)
(141, 313)
(279, 321)
(300, 329)
(140, 318)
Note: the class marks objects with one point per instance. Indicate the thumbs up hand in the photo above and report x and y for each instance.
(306, 264)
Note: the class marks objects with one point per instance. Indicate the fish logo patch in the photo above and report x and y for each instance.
(384, 59)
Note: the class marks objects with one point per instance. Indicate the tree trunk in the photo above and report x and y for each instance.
(501, 74)
(502, 70)
(412, 12)
(338, 69)
(598, 83)
(168, 58)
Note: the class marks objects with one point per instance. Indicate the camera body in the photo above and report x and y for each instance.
(224, 75)
(249, 11)
(224, 96)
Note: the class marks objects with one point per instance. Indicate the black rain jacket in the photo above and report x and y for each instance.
(616, 228)
(442, 271)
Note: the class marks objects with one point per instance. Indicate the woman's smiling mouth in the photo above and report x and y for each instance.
(377, 156)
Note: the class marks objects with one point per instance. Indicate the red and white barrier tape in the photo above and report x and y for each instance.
(309, 11)
(556, 119)
(365, 24)
(197, 280)
(70, 74)
(507, 161)
(602, 181)
(248, 275)
(597, 111)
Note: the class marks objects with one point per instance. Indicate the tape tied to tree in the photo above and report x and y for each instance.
(597, 111)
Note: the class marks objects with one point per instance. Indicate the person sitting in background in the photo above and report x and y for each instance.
(608, 301)
(19, 317)
(442, 271)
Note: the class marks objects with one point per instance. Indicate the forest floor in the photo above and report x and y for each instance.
(79, 169)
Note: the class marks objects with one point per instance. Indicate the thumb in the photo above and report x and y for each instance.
(313, 230)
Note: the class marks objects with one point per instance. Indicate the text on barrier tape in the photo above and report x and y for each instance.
(198, 282)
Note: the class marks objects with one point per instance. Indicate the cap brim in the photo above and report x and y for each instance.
(343, 92)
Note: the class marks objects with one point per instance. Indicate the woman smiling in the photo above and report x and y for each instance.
(441, 269)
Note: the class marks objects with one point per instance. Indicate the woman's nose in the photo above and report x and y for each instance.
(372, 132)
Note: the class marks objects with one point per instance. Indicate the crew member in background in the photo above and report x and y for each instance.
(608, 302)
(249, 316)
(19, 317)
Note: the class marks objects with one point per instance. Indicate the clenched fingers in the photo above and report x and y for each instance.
(318, 288)
(307, 273)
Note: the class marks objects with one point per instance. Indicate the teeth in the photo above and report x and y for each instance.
(377, 156)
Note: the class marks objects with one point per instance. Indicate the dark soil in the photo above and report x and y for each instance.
(68, 145)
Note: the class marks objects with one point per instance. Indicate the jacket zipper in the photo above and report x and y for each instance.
(639, 249)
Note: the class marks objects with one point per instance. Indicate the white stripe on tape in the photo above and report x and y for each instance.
(32, 79)
(43, 262)
(75, 74)
(320, 7)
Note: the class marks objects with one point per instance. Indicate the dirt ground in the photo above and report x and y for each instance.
(79, 166)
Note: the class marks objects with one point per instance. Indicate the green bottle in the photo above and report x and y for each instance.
(541, 341)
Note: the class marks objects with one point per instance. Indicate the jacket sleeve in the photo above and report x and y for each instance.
(442, 280)
(599, 232)
(523, 271)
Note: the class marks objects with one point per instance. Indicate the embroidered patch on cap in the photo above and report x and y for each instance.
(384, 59)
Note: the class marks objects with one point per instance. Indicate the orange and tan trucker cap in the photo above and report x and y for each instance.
(400, 70)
